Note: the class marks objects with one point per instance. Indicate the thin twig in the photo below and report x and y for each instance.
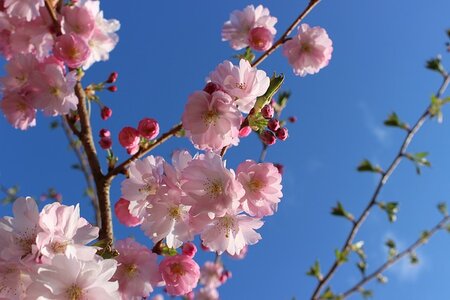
(391, 261)
(84, 167)
(164, 137)
(384, 178)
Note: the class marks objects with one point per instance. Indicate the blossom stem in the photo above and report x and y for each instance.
(391, 261)
(373, 201)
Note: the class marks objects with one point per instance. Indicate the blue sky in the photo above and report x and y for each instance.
(380, 47)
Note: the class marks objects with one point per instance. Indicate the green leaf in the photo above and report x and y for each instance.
(168, 251)
(366, 293)
(257, 122)
(392, 248)
(341, 257)
(366, 166)
(391, 209)
(358, 249)
(329, 295)
(315, 271)
(341, 212)
(248, 55)
(435, 64)
(394, 121)
(436, 107)
(382, 279)
(275, 85)
(362, 266)
(425, 236)
(419, 160)
(442, 207)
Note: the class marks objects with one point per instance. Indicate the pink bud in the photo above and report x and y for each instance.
(225, 276)
(204, 247)
(273, 124)
(123, 214)
(190, 296)
(105, 143)
(267, 137)
(245, 131)
(112, 77)
(189, 249)
(104, 133)
(112, 88)
(280, 168)
(260, 38)
(71, 49)
(212, 87)
(106, 113)
(282, 133)
(129, 139)
(292, 119)
(148, 128)
(267, 111)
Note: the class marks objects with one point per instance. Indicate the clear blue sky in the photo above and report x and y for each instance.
(165, 52)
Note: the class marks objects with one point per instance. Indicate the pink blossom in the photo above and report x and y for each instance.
(71, 49)
(20, 70)
(14, 280)
(144, 184)
(210, 274)
(65, 232)
(245, 131)
(211, 188)
(123, 214)
(55, 92)
(24, 9)
(137, 271)
(242, 82)
(79, 20)
(105, 143)
(211, 121)
(238, 29)
(207, 294)
(18, 233)
(69, 278)
(231, 233)
(262, 184)
(148, 128)
(18, 111)
(181, 274)
(180, 160)
(309, 51)
(189, 249)
(129, 139)
(260, 38)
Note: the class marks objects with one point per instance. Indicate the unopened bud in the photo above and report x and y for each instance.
(106, 113)
(245, 131)
(267, 137)
(267, 111)
(273, 124)
(212, 87)
(282, 133)
(112, 77)
(112, 88)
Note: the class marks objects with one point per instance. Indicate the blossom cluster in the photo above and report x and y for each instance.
(41, 64)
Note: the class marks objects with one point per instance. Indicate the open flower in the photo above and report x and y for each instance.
(181, 274)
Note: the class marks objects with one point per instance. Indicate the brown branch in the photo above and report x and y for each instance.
(164, 137)
(54, 17)
(391, 261)
(384, 178)
(84, 165)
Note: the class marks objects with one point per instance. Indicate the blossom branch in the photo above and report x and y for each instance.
(142, 151)
(383, 180)
(391, 261)
(284, 37)
(84, 165)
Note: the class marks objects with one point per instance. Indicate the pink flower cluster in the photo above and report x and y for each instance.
(130, 138)
(36, 74)
(251, 27)
(46, 255)
(200, 196)
(212, 117)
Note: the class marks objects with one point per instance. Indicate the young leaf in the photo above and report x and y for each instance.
(435, 64)
(248, 55)
(413, 259)
(315, 270)
(392, 248)
(424, 236)
(382, 279)
(341, 212)
(394, 121)
(362, 266)
(419, 160)
(391, 209)
(442, 207)
(341, 257)
(275, 85)
(366, 166)
(366, 293)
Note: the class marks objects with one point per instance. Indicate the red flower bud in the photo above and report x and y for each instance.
(106, 113)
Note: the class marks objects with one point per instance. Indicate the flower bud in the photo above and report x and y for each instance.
(282, 133)
(280, 168)
(260, 39)
(112, 88)
(245, 131)
(104, 133)
(273, 124)
(292, 119)
(106, 113)
(129, 139)
(189, 249)
(123, 214)
(212, 87)
(225, 276)
(112, 77)
(267, 111)
(148, 128)
(105, 143)
(267, 137)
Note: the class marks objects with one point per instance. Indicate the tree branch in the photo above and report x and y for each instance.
(418, 243)
(384, 178)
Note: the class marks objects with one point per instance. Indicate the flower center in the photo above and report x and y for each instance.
(58, 247)
(131, 270)
(240, 85)
(214, 188)
(74, 292)
(306, 48)
(226, 223)
(210, 117)
(177, 268)
(55, 91)
(255, 185)
(175, 212)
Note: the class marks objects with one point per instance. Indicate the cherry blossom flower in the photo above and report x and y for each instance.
(18, 111)
(238, 29)
(148, 128)
(211, 121)
(79, 20)
(242, 82)
(262, 184)
(129, 139)
(181, 274)
(207, 294)
(137, 271)
(121, 208)
(20, 70)
(14, 280)
(309, 51)
(172, 172)
(69, 278)
(71, 49)
(65, 232)
(211, 188)
(18, 233)
(24, 9)
(231, 233)
(210, 274)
